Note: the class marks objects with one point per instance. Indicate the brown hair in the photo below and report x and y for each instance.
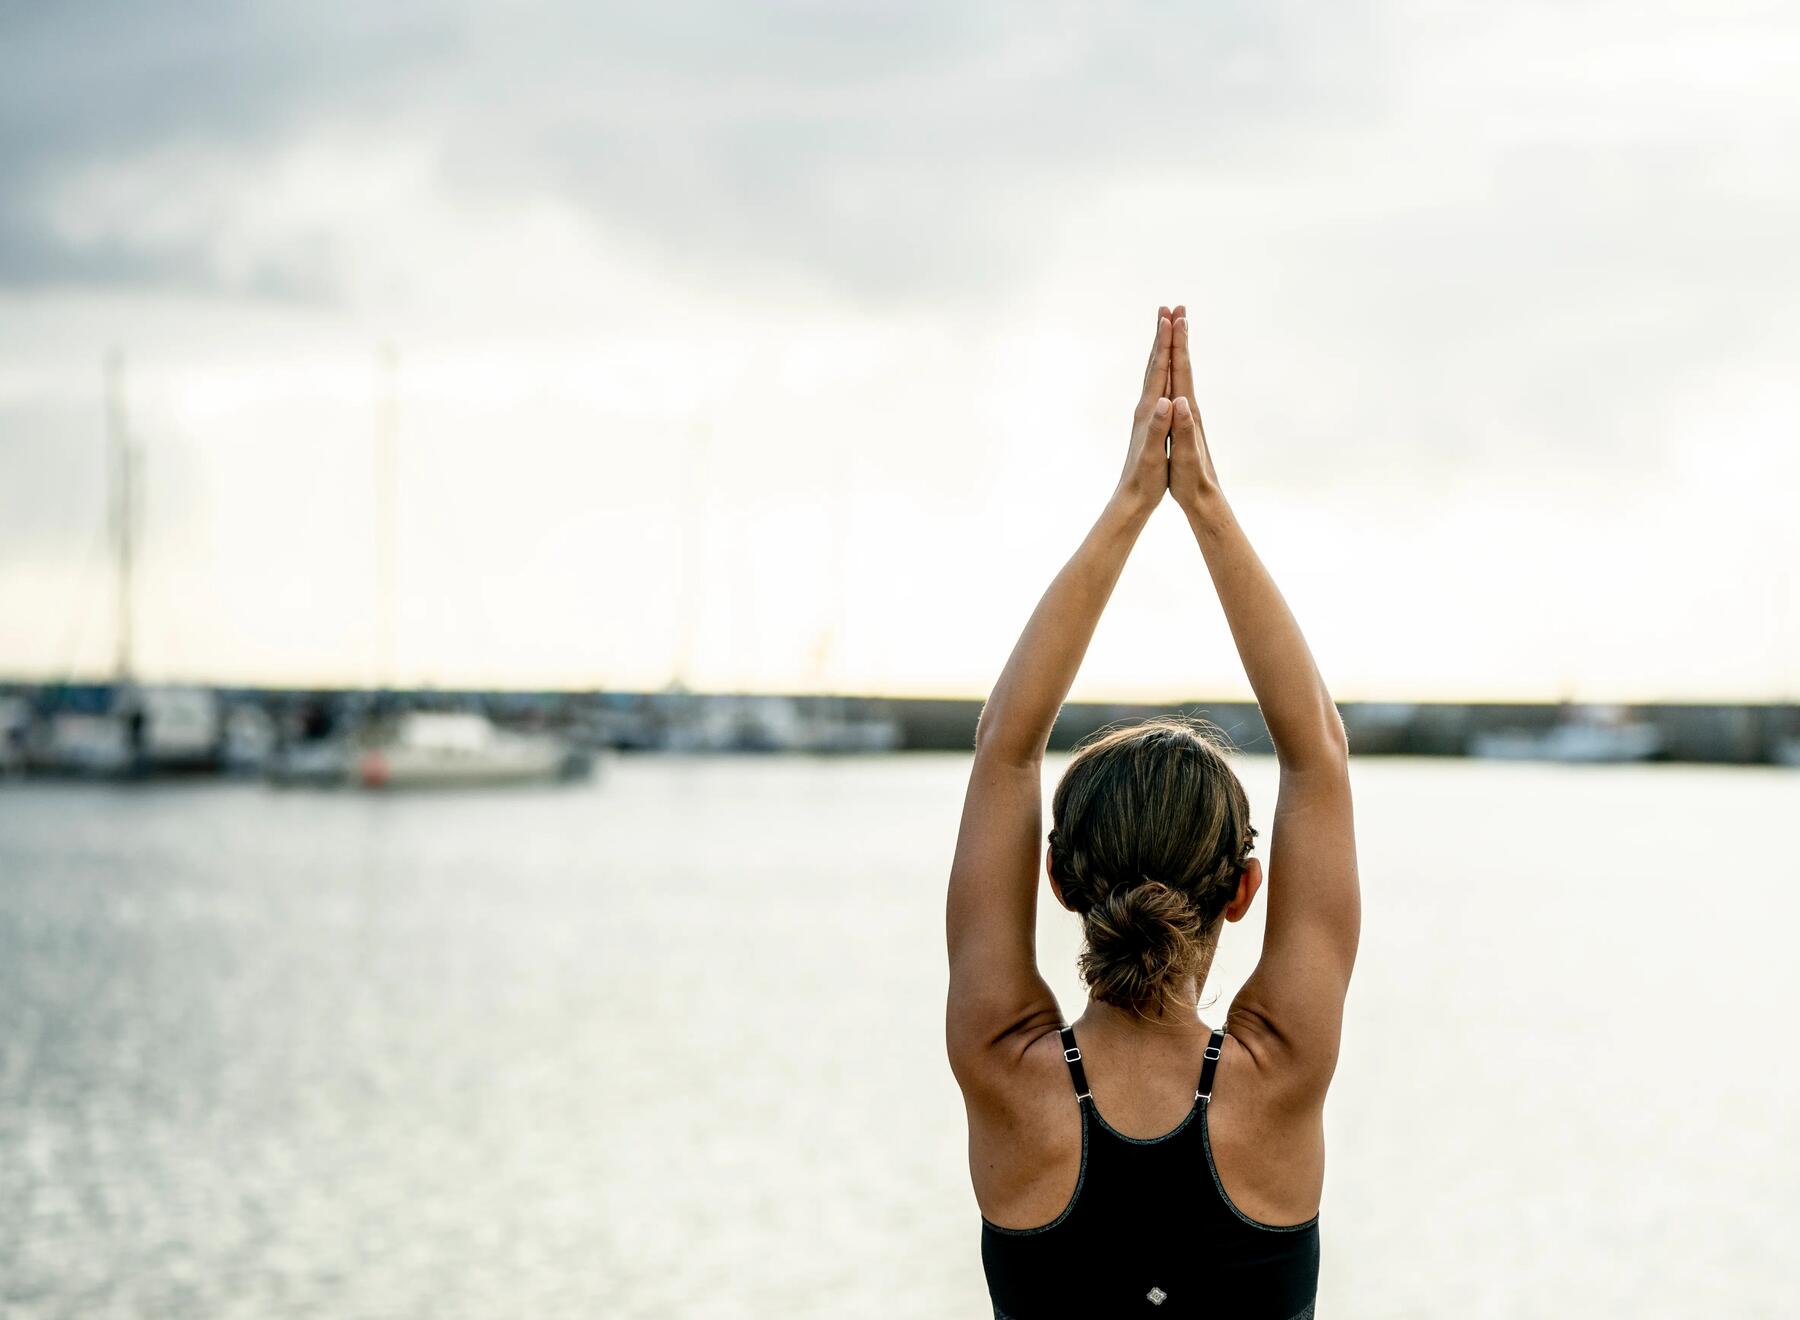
(1150, 832)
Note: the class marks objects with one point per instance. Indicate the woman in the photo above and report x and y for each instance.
(1140, 1162)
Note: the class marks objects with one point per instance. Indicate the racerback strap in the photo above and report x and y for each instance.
(1072, 1057)
(1214, 1048)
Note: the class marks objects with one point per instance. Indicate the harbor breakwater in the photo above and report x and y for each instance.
(220, 723)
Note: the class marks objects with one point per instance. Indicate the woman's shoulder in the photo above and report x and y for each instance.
(1265, 1134)
(1025, 1134)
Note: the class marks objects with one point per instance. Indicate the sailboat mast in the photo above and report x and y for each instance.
(828, 647)
(120, 463)
(694, 510)
(386, 500)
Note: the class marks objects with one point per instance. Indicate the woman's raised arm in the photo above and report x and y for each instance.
(1290, 1011)
(995, 989)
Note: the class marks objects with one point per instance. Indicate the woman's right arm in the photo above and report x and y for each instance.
(1290, 1012)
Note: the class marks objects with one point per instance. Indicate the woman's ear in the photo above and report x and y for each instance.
(1054, 887)
(1249, 881)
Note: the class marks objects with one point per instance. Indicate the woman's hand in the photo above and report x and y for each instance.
(1146, 474)
(1192, 479)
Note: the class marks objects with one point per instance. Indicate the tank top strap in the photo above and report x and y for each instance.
(1072, 1057)
(1214, 1047)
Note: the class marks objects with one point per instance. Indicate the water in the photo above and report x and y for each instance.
(670, 1045)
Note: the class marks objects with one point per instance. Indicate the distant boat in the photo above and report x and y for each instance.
(1590, 734)
(429, 748)
(433, 749)
(135, 728)
(777, 724)
(146, 730)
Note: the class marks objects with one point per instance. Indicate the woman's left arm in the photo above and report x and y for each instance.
(996, 992)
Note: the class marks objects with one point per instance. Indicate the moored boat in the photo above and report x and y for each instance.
(1590, 734)
(432, 749)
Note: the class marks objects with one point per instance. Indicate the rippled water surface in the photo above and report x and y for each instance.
(669, 1044)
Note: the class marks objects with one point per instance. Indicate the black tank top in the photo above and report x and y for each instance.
(1150, 1232)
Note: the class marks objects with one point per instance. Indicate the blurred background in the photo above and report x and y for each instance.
(650, 427)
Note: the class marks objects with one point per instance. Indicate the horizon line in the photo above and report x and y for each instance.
(1115, 697)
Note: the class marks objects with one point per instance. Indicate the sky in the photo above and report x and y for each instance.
(793, 346)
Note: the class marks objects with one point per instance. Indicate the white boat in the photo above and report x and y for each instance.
(147, 730)
(740, 723)
(427, 749)
(1599, 734)
(174, 728)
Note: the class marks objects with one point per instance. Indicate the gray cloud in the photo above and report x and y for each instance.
(101, 85)
(887, 151)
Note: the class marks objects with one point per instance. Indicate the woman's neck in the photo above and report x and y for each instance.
(1179, 1016)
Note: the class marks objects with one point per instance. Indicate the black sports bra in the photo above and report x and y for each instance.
(1149, 1231)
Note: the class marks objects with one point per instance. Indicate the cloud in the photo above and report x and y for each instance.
(116, 99)
(881, 152)
(1470, 281)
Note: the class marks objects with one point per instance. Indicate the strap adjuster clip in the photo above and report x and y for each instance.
(1072, 1054)
(1213, 1051)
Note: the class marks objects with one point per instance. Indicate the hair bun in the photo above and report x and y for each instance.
(1157, 799)
(1141, 938)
